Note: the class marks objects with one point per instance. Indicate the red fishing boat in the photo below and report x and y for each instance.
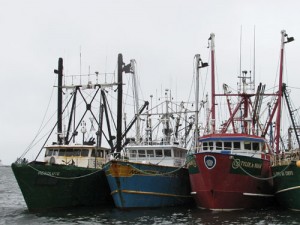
(231, 166)
(229, 171)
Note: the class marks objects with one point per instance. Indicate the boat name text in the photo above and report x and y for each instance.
(48, 173)
(284, 173)
(245, 164)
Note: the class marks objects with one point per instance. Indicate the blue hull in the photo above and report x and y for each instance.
(137, 185)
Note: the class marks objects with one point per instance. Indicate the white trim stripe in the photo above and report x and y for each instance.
(287, 189)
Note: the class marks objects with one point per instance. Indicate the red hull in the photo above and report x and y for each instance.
(219, 184)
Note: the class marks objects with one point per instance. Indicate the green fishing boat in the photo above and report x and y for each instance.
(47, 186)
(286, 164)
(70, 172)
(287, 184)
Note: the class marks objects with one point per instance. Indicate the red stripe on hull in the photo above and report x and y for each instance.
(224, 186)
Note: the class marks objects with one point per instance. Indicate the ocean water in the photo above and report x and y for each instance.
(13, 211)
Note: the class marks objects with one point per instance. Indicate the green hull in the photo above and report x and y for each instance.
(61, 186)
(287, 185)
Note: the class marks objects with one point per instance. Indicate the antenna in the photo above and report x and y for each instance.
(241, 31)
(80, 64)
(254, 61)
(89, 74)
(105, 66)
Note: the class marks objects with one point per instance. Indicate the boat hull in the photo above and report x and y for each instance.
(138, 185)
(61, 186)
(287, 185)
(230, 182)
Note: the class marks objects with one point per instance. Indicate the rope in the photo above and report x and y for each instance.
(63, 178)
(259, 178)
(161, 174)
(32, 144)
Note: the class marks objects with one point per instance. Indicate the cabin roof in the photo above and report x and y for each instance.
(231, 137)
(75, 147)
(146, 147)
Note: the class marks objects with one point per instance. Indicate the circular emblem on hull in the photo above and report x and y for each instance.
(210, 161)
(236, 163)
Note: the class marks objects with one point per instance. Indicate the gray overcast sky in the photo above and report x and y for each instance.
(162, 35)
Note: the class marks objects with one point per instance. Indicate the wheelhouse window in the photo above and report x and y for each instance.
(62, 152)
(255, 146)
(84, 152)
(205, 146)
(69, 152)
(247, 145)
(158, 153)
(227, 145)
(150, 153)
(208, 145)
(132, 153)
(49, 152)
(55, 152)
(94, 154)
(142, 153)
(167, 153)
(219, 145)
(76, 152)
(99, 153)
(236, 145)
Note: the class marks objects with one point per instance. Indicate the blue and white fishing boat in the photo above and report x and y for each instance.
(150, 170)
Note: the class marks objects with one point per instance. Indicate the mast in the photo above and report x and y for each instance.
(119, 107)
(168, 115)
(199, 64)
(213, 93)
(197, 56)
(277, 126)
(136, 96)
(127, 69)
(100, 124)
(59, 72)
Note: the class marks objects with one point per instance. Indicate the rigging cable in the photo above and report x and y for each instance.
(41, 126)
